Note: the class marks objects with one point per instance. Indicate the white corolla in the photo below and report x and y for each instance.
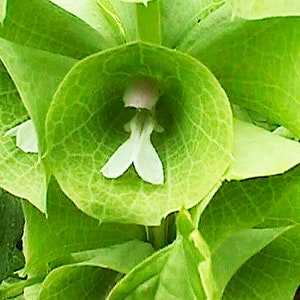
(138, 150)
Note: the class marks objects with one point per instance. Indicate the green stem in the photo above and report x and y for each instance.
(162, 235)
(158, 235)
(17, 288)
(148, 22)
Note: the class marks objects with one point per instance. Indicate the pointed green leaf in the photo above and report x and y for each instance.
(77, 282)
(178, 18)
(236, 250)
(258, 152)
(50, 241)
(255, 207)
(121, 258)
(45, 71)
(126, 14)
(89, 12)
(171, 273)
(43, 25)
(264, 202)
(82, 127)
(259, 9)
(257, 62)
(21, 174)
(222, 262)
(274, 273)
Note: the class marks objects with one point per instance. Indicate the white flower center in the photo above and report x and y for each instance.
(138, 149)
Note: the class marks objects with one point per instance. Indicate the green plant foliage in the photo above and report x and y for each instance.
(109, 29)
(154, 146)
(46, 71)
(11, 227)
(59, 238)
(171, 272)
(21, 174)
(47, 29)
(257, 207)
(259, 9)
(258, 63)
(267, 153)
(178, 19)
(69, 282)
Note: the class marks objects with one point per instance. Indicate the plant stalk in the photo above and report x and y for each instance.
(164, 234)
(148, 22)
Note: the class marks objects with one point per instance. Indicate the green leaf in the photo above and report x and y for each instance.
(257, 62)
(126, 14)
(271, 274)
(90, 13)
(265, 202)
(21, 174)
(12, 288)
(178, 18)
(3, 4)
(171, 273)
(45, 70)
(258, 152)
(43, 25)
(77, 282)
(86, 124)
(11, 228)
(121, 258)
(259, 9)
(66, 230)
(255, 207)
(32, 292)
(236, 250)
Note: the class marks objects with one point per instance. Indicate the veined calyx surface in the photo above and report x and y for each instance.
(85, 127)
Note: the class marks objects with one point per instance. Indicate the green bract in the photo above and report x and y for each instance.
(85, 124)
(258, 64)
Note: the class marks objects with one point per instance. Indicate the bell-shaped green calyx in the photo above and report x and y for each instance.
(85, 127)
